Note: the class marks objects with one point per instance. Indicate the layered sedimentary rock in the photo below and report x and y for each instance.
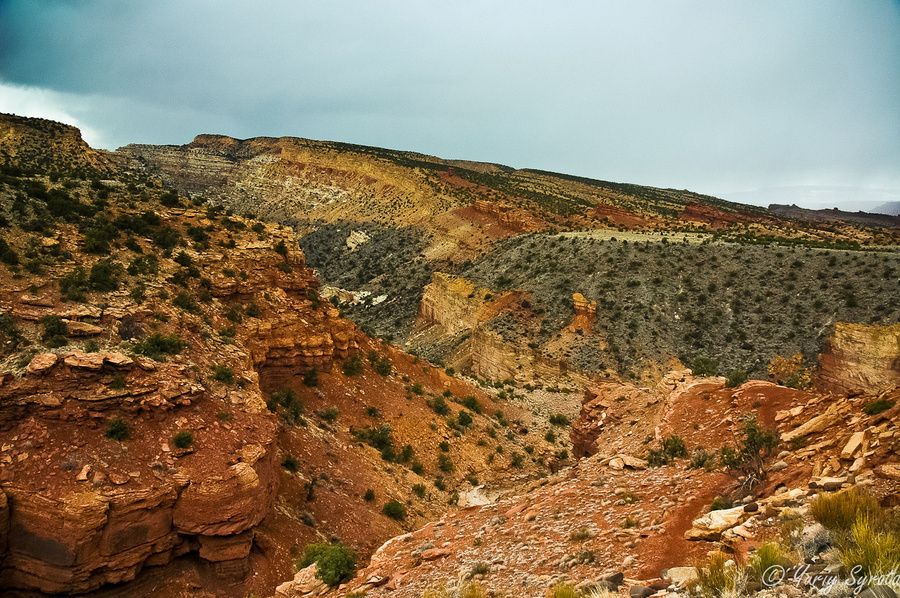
(84, 510)
(860, 358)
(507, 215)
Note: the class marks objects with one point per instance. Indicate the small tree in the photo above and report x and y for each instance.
(334, 562)
(750, 456)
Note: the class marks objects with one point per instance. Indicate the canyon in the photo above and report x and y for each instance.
(217, 355)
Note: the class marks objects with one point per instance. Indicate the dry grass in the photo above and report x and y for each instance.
(840, 511)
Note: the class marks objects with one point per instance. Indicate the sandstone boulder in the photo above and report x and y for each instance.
(711, 525)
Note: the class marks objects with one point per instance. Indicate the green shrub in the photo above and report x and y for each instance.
(767, 555)
(9, 332)
(419, 490)
(352, 366)
(252, 310)
(878, 406)
(716, 578)
(74, 285)
(223, 373)
(369, 496)
(330, 414)
(55, 331)
(705, 366)
(439, 406)
(104, 276)
(464, 419)
(838, 511)
(874, 549)
(394, 510)
(445, 464)
(334, 562)
(291, 464)
(183, 439)
(184, 301)
(235, 314)
(383, 366)
(117, 429)
(311, 377)
(755, 447)
(703, 459)
(736, 378)
(156, 346)
(559, 419)
(472, 404)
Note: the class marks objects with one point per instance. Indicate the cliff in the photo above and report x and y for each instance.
(860, 358)
(36, 144)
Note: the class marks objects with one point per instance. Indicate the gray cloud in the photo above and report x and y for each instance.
(711, 96)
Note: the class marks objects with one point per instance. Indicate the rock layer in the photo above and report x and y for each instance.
(860, 358)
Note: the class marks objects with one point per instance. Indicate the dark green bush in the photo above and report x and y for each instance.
(352, 366)
(55, 331)
(157, 346)
(117, 429)
(223, 373)
(472, 404)
(291, 464)
(705, 366)
(439, 405)
(183, 439)
(394, 510)
(334, 562)
(311, 378)
(878, 406)
(736, 378)
(184, 301)
(559, 419)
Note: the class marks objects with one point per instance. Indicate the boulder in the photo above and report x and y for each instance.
(681, 576)
(711, 525)
(40, 363)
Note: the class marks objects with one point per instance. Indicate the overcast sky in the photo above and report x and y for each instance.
(719, 97)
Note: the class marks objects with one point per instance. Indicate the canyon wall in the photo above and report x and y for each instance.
(860, 358)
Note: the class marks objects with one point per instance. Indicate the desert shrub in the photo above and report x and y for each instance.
(291, 464)
(703, 459)
(183, 439)
(517, 459)
(9, 331)
(74, 285)
(383, 366)
(369, 495)
(330, 414)
(416, 389)
(334, 562)
(235, 314)
(671, 448)
(223, 373)
(564, 590)
(157, 346)
(839, 511)
(755, 447)
(736, 378)
(143, 265)
(378, 438)
(790, 372)
(464, 419)
(394, 510)
(352, 366)
(878, 406)
(445, 464)
(873, 548)
(252, 310)
(55, 331)
(419, 490)
(118, 382)
(472, 404)
(311, 377)
(559, 420)
(439, 406)
(716, 578)
(184, 301)
(705, 366)
(117, 429)
(105, 275)
(766, 556)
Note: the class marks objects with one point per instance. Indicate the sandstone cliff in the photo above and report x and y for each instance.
(860, 358)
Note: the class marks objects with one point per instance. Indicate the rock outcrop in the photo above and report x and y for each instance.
(860, 358)
(83, 510)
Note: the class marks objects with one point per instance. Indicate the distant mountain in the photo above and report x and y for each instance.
(835, 215)
(891, 207)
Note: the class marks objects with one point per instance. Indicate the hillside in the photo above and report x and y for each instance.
(299, 368)
(178, 402)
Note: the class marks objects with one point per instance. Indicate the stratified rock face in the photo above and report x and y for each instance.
(452, 302)
(585, 314)
(860, 358)
(80, 510)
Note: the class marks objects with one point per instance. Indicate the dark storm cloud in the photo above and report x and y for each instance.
(713, 96)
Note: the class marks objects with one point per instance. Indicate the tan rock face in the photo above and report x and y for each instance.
(860, 358)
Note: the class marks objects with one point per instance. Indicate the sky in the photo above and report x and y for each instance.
(744, 100)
